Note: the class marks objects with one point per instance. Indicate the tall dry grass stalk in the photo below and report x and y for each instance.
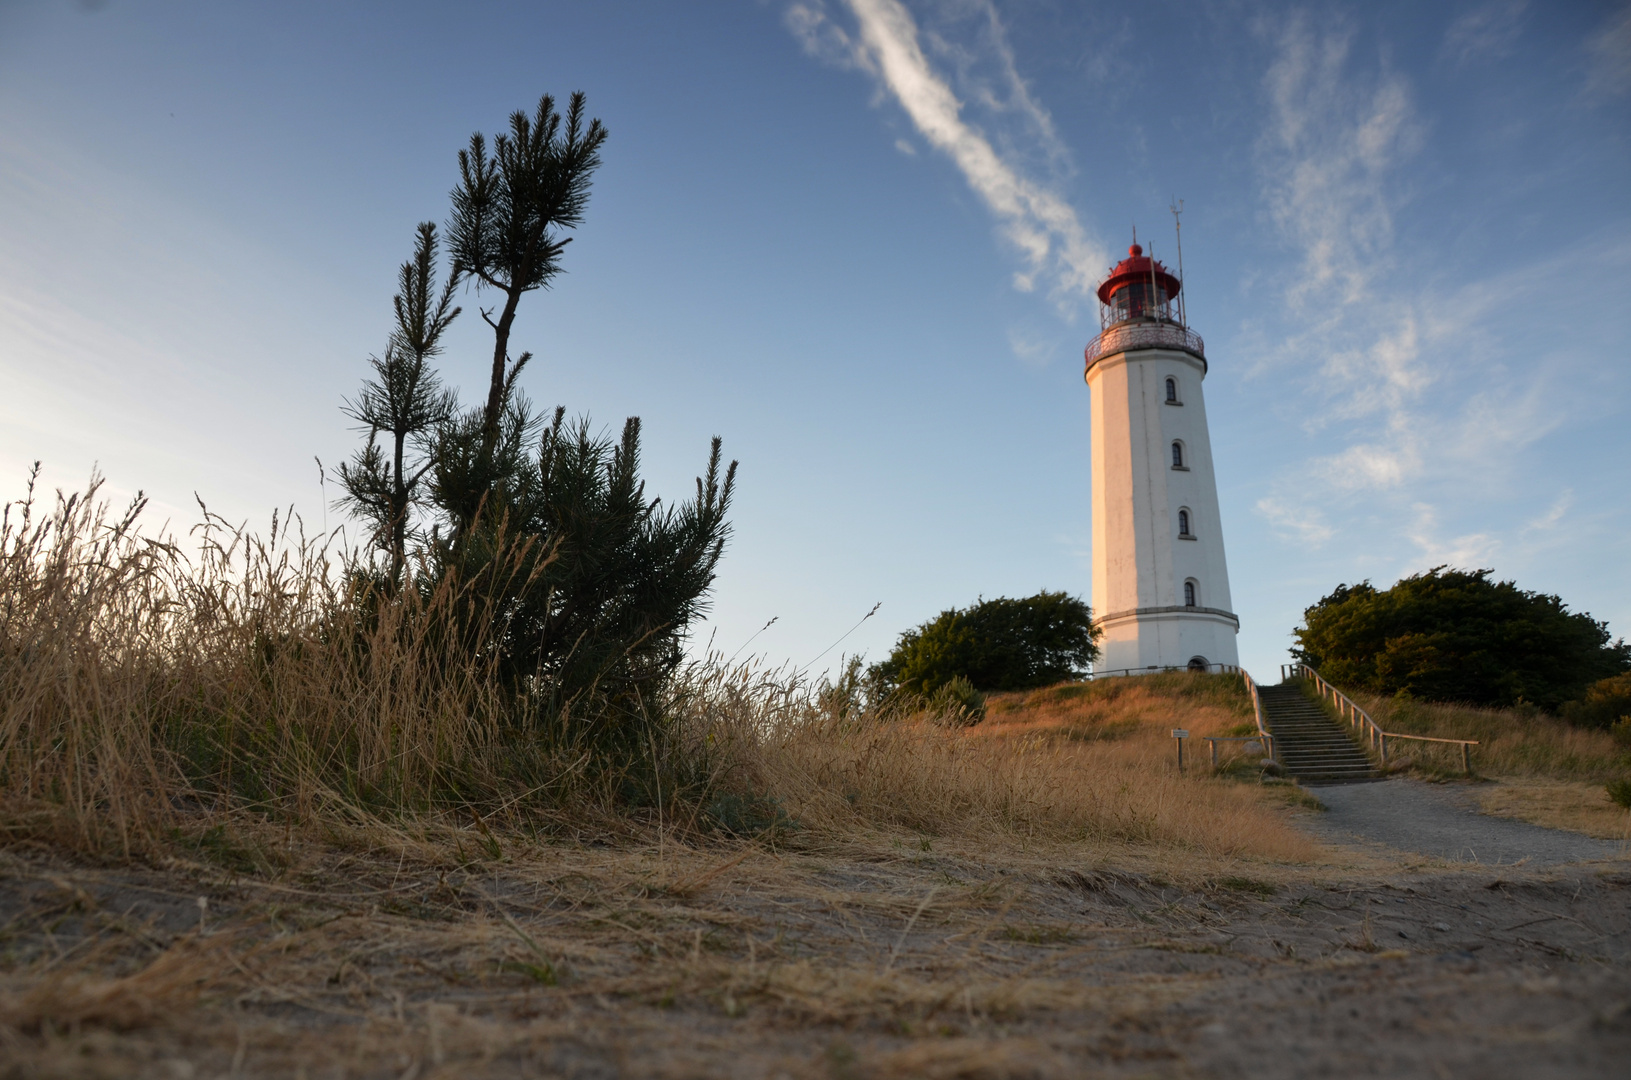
(146, 692)
(140, 685)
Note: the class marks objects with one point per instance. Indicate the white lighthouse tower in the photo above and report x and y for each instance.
(1160, 584)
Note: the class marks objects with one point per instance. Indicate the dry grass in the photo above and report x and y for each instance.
(1511, 742)
(142, 689)
(351, 864)
(1073, 763)
(1558, 804)
(155, 704)
(865, 959)
(169, 985)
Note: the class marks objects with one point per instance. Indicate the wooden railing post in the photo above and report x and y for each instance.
(1361, 720)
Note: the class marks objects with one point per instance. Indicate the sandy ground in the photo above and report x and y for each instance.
(881, 957)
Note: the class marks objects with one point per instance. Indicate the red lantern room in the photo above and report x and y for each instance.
(1139, 289)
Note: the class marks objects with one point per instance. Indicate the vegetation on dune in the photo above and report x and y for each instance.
(508, 644)
(1456, 636)
(1606, 705)
(1213, 694)
(149, 699)
(557, 568)
(994, 645)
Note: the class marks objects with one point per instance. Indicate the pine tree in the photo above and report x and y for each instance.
(509, 211)
(405, 401)
(548, 528)
(578, 586)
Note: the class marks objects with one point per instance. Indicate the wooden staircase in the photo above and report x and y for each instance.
(1308, 743)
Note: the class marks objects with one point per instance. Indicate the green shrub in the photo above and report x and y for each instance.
(959, 702)
(999, 644)
(1455, 635)
(1620, 792)
(1606, 704)
(749, 816)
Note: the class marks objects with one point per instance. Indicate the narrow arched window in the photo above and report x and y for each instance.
(1172, 391)
(1183, 523)
(1177, 455)
(1189, 594)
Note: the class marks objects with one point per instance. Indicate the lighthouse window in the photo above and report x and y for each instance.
(1178, 455)
(1134, 301)
(1172, 391)
(1189, 594)
(1183, 523)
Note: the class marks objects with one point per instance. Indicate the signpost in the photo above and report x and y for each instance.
(1179, 735)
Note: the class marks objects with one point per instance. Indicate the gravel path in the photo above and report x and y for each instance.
(1443, 821)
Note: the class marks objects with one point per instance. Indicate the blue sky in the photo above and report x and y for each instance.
(857, 239)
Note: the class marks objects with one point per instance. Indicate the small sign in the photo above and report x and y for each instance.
(1180, 733)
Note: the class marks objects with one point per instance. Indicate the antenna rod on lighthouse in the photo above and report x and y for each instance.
(1155, 307)
(1178, 230)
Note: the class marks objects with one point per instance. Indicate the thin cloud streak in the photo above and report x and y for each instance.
(1608, 53)
(1389, 391)
(886, 43)
(1486, 33)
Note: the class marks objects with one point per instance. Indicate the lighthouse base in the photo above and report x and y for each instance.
(1164, 638)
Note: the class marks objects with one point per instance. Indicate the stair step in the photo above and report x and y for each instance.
(1308, 742)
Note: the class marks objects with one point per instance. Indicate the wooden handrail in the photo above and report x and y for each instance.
(1361, 719)
(1257, 712)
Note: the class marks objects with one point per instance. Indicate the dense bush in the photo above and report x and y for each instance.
(999, 644)
(1607, 704)
(1455, 635)
(597, 582)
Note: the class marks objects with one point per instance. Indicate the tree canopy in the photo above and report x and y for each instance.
(1000, 644)
(1455, 635)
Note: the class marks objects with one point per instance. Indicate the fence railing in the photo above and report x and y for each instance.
(1257, 713)
(1361, 720)
(1144, 335)
(1158, 669)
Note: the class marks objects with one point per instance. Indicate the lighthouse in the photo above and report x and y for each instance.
(1160, 583)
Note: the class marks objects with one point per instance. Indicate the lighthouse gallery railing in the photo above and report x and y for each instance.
(1145, 335)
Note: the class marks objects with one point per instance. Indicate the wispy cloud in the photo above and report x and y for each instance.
(1366, 467)
(1331, 145)
(1549, 521)
(1333, 142)
(1301, 523)
(1015, 170)
(1485, 33)
(1608, 53)
(1389, 388)
(1030, 346)
(1467, 552)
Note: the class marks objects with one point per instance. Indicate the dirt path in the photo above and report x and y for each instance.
(1442, 821)
(843, 963)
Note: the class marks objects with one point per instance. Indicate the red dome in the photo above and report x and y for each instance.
(1137, 268)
